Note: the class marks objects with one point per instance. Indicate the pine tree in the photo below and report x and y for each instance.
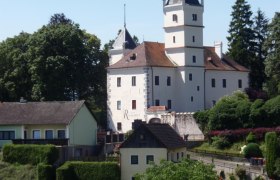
(272, 62)
(241, 35)
(257, 66)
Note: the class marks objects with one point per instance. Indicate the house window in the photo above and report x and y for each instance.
(224, 83)
(119, 105)
(149, 158)
(157, 102)
(133, 80)
(198, 88)
(213, 83)
(174, 39)
(134, 159)
(194, 59)
(213, 102)
(178, 156)
(182, 154)
(7, 135)
(239, 83)
(61, 134)
(119, 82)
(49, 134)
(192, 99)
(133, 104)
(119, 126)
(36, 134)
(156, 80)
(175, 18)
(25, 134)
(168, 81)
(193, 39)
(169, 104)
(194, 17)
(190, 77)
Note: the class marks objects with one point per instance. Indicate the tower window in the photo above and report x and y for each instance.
(239, 83)
(133, 104)
(156, 80)
(194, 59)
(190, 77)
(198, 88)
(119, 126)
(133, 80)
(168, 81)
(119, 82)
(169, 104)
(213, 83)
(194, 17)
(119, 105)
(174, 39)
(175, 18)
(157, 102)
(224, 83)
(193, 39)
(192, 99)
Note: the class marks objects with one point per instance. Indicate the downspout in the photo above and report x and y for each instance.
(204, 93)
(152, 86)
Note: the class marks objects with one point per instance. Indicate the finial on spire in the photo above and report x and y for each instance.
(124, 15)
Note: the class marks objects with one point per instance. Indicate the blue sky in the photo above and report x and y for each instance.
(105, 17)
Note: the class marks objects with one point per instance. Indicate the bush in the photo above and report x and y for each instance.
(45, 172)
(87, 170)
(252, 150)
(271, 148)
(259, 178)
(272, 111)
(220, 142)
(240, 172)
(232, 177)
(30, 154)
(251, 138)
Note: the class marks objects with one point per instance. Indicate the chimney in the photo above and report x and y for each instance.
(219, 49)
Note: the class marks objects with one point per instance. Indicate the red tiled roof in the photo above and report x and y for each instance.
(213, 62)
(156, 108)
(148, 54)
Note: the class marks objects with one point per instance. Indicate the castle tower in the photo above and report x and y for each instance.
(183, 25)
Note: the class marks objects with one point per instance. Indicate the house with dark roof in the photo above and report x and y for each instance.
(68, 124)
(150, 143)
(181, 74)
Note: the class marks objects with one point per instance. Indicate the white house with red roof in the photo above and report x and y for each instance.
(180, 74)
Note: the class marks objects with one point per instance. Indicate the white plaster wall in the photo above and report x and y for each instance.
(189, 10)
(128, 170)
(199, 53)
(232, 77)
(177, 55)
(168, 15)
(178, 33)
(193, 31)
(115, 58)
(126, 93)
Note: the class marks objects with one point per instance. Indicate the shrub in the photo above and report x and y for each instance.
(272, 110)
(252, 150)
(277, 168)
(45, 172)
(271, 147)
(240, 172)
(87, 170)
(202, 119)
(30, 154)
(232, 177)
(251, 138)
(259, 178)
(220, 142)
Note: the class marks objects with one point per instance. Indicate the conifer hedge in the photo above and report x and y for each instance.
(271, 148)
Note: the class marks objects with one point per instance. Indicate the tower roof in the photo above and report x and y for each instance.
(192, 2)
(124, 41)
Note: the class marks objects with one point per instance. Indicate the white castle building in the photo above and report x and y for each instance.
(180, 74)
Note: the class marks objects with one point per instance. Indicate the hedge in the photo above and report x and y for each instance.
(30, 154)
(271, 145)
(252, 150)
(88, 170)
(45, 172)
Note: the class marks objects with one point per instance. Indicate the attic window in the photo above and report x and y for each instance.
(133, 56)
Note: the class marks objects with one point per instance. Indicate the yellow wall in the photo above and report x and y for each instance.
(29, 130)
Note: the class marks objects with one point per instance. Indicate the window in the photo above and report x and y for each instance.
(133, 104)
(157, 102)
(36, 134)
(213, 102)
(190, 77)
(213, 83)
(133, 80)
(134, 159)
(119, 105)
(169, 104)
(119, 126)
(175, 18)
(119, 81)
(7, 135)
(49, 134)
(182, 154)
(193, 39)
(149, 158)
(168, 81)
(174, 39)
(178, 156)
(239, 83)
(194, 59)
(61, 134)
(156, 80)
(198, 88)
(192, 99)
(194, 17)
(224, 83)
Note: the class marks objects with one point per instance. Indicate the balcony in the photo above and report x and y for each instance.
(57, 142)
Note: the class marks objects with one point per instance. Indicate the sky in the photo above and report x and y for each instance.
(105, 17)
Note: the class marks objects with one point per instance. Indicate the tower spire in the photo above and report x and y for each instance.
(125, 16)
